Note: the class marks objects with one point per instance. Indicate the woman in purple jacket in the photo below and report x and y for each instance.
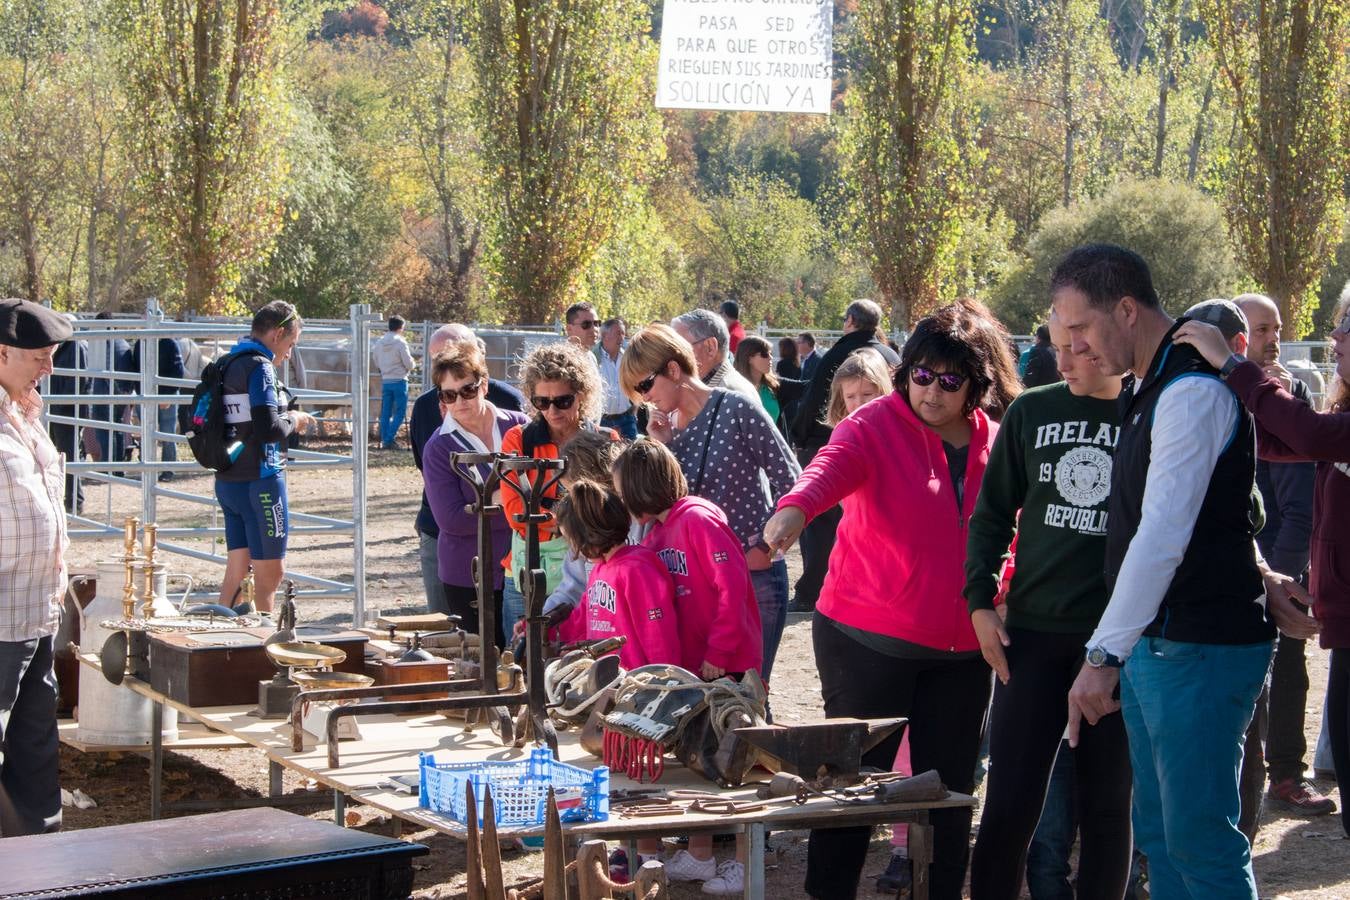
(472, 425)
(1288, 430)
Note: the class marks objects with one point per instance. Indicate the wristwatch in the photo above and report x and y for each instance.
(1097, 657)
(1230, 364)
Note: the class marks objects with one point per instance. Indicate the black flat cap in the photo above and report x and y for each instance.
(31, 326)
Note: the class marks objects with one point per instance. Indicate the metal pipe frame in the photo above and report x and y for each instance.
(148, 396)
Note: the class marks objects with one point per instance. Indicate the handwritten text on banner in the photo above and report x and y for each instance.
(765, 55)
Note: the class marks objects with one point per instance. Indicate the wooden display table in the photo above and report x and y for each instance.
(389, 747)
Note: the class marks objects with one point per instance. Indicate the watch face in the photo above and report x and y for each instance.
(1096, 657)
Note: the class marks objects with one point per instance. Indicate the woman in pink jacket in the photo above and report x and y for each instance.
(629, 592)
(891, 632)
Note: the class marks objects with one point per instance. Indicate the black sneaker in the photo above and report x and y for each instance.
(898, 877)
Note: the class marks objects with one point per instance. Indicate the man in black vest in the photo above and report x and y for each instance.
(1185, 621)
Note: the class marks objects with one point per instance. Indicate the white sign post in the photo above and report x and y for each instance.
(764, 55)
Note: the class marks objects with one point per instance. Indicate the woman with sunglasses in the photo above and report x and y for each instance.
(891, 633)
(563, 386)
(1289, 430)
(777, 393)
(731, 455)
(470, 425)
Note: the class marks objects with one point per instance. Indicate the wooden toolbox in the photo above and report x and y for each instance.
(259, 854)
(394, 672)
(223, 668)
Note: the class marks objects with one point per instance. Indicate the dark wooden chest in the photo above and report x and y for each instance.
(223, 668)
(257, 854)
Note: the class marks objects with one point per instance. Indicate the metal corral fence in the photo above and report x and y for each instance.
(106, 389)
(328, 379)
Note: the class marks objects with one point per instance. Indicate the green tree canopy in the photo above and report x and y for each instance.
(1177, 229)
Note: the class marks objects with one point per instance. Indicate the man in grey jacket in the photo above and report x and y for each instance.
(394, 361)
(707, 333)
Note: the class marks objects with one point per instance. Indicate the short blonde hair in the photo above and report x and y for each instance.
(564, 361)
(649, 351)
(866, 364)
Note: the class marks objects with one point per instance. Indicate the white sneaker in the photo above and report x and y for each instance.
(730, 879)
(684, 867)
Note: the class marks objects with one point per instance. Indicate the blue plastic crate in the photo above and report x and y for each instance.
(519, 789)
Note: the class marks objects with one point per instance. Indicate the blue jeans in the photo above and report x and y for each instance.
(624, 423)
(393, 407)
(168, 423)
(771, 595)
(1187, 708)
(1048, 867)
(431, 574)
(513, 609)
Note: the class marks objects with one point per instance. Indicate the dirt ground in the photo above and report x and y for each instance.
(1294, 857)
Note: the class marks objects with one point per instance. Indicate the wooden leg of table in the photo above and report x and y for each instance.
(920, 854)
(156, 757)
(274, 771)
(340, 808)
(754, 860)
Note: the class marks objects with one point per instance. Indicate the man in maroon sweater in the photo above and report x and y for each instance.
(1289, 430)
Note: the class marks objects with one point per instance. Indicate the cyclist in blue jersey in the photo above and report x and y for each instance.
(252, 492)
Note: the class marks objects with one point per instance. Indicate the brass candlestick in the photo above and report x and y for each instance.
(152, 569)
(129, 560)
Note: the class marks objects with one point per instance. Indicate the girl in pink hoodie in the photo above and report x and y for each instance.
(720, 629)
(629, 593)
(891, 632)
(719, 616)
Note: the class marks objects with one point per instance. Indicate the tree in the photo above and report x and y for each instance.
(205, 78)
(762, 237)
(41, 133)
(569, 133)
(1178, 230)
(907, 143)
(434, 100)
(1284, 62)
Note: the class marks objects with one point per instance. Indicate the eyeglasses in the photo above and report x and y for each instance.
(564, 402)
(468, 392)
(588, 324)
(949, 381)
(764, 353)
(1344, 326)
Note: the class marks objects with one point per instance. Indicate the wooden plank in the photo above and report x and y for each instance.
(390, 745)
(190, 737)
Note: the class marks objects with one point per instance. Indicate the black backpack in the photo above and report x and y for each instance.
(202, 421)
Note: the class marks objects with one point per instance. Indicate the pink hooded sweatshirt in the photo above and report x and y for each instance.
(631, 594)
(898, 560)
(719, 616)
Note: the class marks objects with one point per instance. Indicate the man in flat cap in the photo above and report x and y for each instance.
(32, 571)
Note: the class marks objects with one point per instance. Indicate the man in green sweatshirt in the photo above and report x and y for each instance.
(1051, 462)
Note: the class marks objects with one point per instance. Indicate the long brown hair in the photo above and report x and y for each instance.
(754, 345)
(592, 518)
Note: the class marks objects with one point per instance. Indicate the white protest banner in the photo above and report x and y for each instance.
(764, 55)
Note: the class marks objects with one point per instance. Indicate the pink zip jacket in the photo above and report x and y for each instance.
(897, 565)
(631, 594)
(719, 617)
